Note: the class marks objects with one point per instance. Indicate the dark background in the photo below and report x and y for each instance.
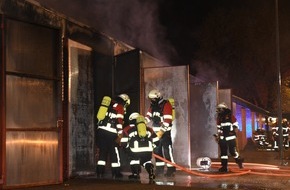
(232, 41)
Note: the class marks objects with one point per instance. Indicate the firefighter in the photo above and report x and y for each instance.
(275, 133)
(260, 138)
(285, 133)
(227, 127)
(140, 140)
(160, 114)
(286, 130)
(109, 134)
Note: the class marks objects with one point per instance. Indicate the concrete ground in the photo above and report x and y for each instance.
(264, 170)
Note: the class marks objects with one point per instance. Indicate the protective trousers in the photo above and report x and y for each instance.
(165, 150)
(108, 148)
(225, 147)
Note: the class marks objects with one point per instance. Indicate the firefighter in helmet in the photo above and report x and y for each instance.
(109, 134)
(275, 132)
(285, 133)
(260, 138)
(286, 130)
(140, 140)
(160, 114)
(227, 127)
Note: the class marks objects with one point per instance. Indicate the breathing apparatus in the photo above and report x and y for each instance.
(106, 101)
(141, 126)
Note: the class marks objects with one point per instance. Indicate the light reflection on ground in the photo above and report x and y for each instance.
(257, 177)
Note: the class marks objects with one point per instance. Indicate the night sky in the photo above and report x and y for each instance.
(232, 41)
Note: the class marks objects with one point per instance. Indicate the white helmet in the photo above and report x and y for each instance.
(154, 94)
(133, 116)
(222, 106)
(272, 120)
(126, 99)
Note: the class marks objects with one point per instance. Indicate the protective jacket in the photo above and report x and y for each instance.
(161, 115)
(137, 144)
(226, 125)
(114, 119)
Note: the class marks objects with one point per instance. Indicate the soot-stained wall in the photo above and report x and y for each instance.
(203, 98)
(173, 82)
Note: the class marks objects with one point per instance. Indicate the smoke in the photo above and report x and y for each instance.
(210, 72)
(135, 22)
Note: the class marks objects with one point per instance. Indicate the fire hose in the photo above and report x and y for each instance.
(260, 170)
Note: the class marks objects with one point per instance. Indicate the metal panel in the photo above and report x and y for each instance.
(81, 110)
(225, 95)
(32, 157)
(31, 49)
(203, 99)
(149, 61)
(173, 82)
(30, 103)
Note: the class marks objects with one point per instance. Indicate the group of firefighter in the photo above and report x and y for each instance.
(138, 139)
(148, 135)
(270, 139)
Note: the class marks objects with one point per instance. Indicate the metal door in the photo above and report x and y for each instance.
(81, 110)
(33, 105)
(172, 82)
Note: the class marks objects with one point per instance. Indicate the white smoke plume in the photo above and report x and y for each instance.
(135, 22)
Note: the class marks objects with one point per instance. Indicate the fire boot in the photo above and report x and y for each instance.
(150, 169)
(100, 171)
(136, 169)
(240, 161)
(116, 174)
(170, 171)
(224, 167)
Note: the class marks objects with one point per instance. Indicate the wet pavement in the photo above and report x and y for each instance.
(241, 180)
(263, 170)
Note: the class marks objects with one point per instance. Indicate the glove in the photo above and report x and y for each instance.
(118, 139)
(216, 136)
(160, 133)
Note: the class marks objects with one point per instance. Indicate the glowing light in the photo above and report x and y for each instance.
(32, 142)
